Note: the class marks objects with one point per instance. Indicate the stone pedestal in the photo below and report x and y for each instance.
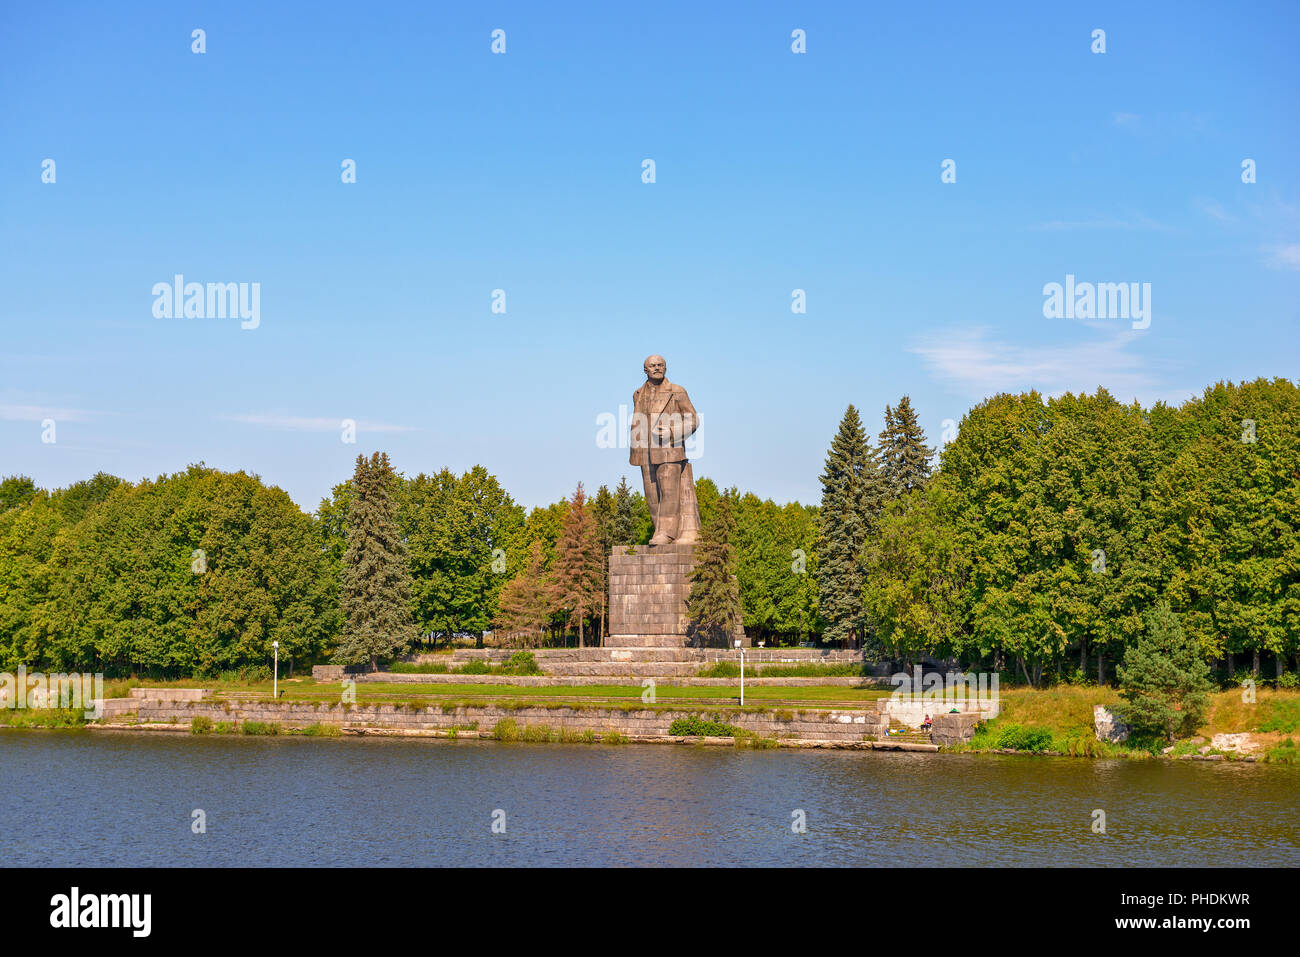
(648, 587)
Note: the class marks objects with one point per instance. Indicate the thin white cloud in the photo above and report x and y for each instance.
(1214, 210)
(1129, 120)
(1282, 256)
(971, 361)
(38, 413)
(297, 423)
(1144, 223)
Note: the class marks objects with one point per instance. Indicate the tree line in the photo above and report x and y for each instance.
(1038, 541)
(196, 573)
(1053, 527)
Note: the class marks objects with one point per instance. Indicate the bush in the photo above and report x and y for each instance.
(200, 724)
(1024, 738)
(699, 728)
(1285, 753)
(1164, 679)
(475, 667)
(521, 663)
(1289, 680)
(260, 727)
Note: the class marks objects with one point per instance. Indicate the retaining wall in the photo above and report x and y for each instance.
(839, 726)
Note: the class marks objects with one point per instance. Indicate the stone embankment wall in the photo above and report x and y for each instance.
(568, 681)
(838, 726)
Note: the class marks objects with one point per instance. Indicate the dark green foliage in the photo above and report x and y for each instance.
(194, 573)
(714, 600)
(1023, 738)
(903, 455)
(852, 494)
(376, 594)
(1164, 679)
(700, 728)
(16, 491)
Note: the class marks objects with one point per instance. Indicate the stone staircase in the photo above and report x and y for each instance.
(653, 661)
(902, 733)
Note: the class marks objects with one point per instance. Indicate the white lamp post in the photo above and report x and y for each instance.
(742, 673)
(275, 682)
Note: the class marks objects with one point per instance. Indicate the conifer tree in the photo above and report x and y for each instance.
(852, 495)
(376, 592)
(714, 600)
(575, 573)
(624, 514)
(604, 513)
(904, 456)
(1164, 678)
(524, 607)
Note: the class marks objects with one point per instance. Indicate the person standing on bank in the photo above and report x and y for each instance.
(662, 420)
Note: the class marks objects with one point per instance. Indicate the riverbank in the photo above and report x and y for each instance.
(1060, 721)
(1049, 722)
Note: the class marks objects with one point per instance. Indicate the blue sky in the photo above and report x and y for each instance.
(775, 171)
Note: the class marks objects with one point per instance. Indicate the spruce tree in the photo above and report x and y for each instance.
(714, 600)
(376, 594)
(604, 514)
(576, 571)
(904, 456)
(624, 532)
(852, 495)
(1164, 678)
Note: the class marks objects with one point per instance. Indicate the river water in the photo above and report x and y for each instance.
(72, 798)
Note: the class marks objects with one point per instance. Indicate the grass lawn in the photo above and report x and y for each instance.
(666, 696)
(1066, 713)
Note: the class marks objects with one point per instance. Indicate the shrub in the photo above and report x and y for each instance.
(1023, 738)
(1285, 753)
(521, 663)
(260, 727)
(200, 724)
(475, 667)
(699, 727)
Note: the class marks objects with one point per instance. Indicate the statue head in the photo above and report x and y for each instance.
(656, 367)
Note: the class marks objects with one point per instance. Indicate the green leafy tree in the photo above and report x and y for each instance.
(191, 574)
(776, 550)
(916, 577)
(463, 542)
(376, 581)
(714, 600)
(16, 491)
(1164, 679)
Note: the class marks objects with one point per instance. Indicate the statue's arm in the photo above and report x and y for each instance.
(690, 420)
